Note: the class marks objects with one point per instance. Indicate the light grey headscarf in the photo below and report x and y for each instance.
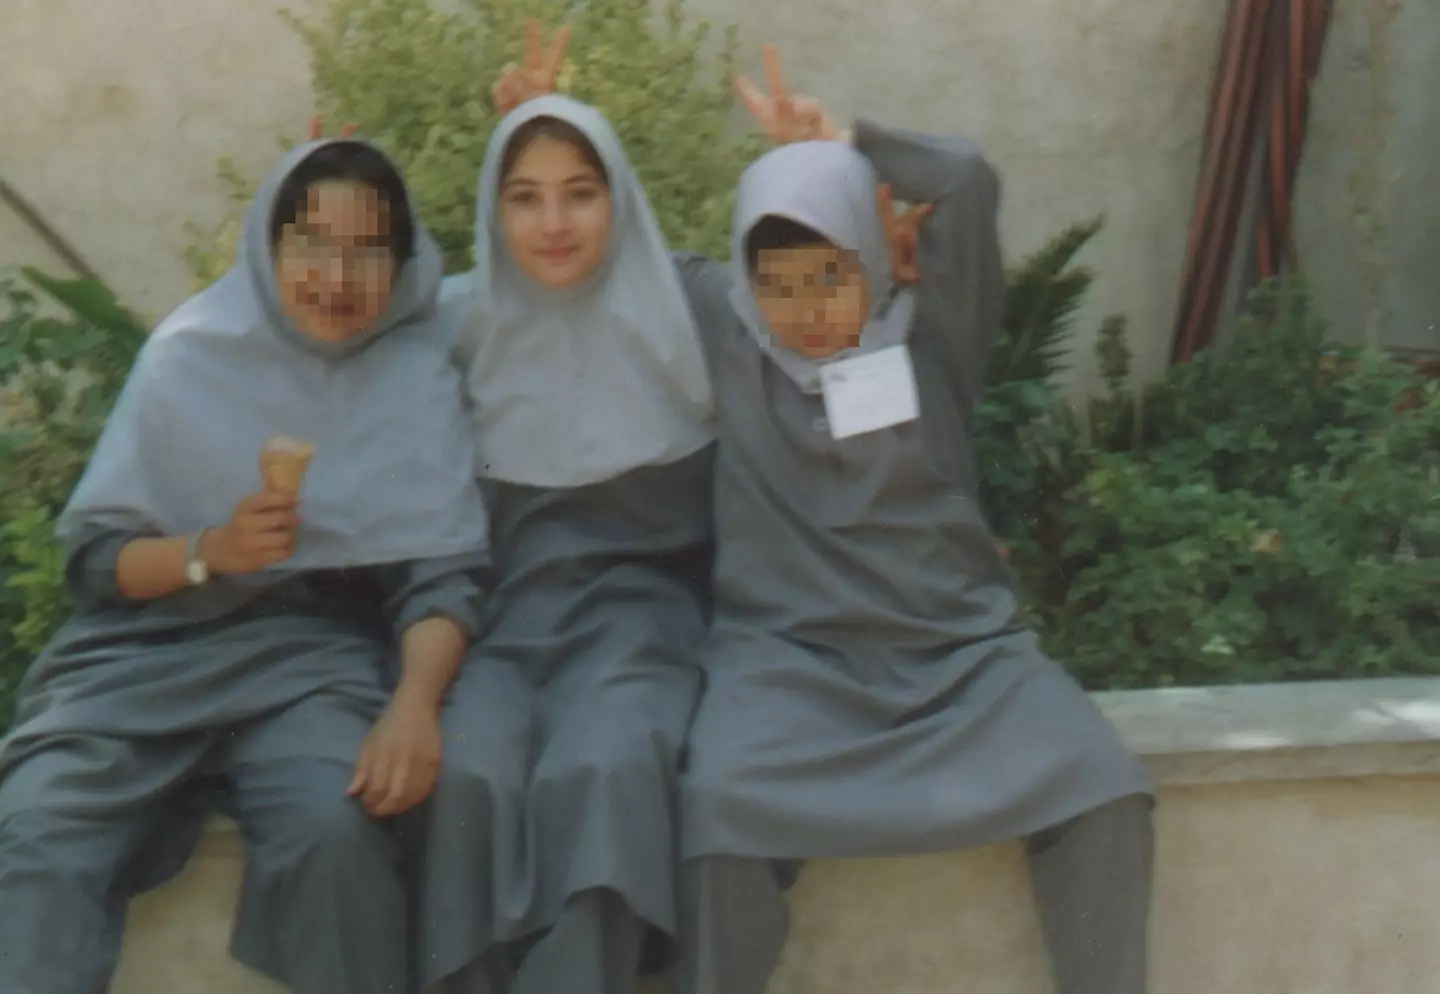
(829, 187)
(392, 476)
(572, 387)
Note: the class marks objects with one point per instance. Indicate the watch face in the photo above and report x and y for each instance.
(196, 571)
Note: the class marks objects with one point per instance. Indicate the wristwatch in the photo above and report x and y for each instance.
(196, 571)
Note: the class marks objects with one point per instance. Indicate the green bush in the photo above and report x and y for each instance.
(1265, 512)
(66, 347)
(416, 76)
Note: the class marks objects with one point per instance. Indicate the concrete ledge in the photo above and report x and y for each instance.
(1296, 731)
(1298, 851)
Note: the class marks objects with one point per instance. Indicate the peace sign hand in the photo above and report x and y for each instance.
(902, 233)
(317, 129)
(537, 77)
(784, 118)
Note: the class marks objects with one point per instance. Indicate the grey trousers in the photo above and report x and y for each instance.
(595, 948)
(1091, 879)
(323, 899)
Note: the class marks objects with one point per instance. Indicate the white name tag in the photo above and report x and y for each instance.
(870, 392)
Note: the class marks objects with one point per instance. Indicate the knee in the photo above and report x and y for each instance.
(476, 774)
(618, 763)
(35, 843)
(320, 827)
(705, 784)
(475, 793)
(1123, 825)
(1131, 816)
(336, 825)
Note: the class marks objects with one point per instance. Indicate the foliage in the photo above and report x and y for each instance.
(415, 75)
(1269, 511)
(1265, 512)
(1243, 519)
(66, 347)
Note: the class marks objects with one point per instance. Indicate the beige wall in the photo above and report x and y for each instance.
(113, 113)
(1368, 228)
(1296, 853)
(1298, 887)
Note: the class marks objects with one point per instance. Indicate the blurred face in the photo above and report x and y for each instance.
(334, 264)
(814, 298)
(555, 212)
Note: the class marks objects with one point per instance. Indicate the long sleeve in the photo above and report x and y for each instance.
(962, 282)
(707, 290)
(451, 587)
(92, 556)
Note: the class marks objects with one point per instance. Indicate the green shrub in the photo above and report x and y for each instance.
(1243, 519)
(1262, 513)
(66, 347)
(416, 76)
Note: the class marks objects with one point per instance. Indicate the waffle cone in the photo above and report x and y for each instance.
(283, 462)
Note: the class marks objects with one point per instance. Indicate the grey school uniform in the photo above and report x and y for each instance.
(265, 684)
(131, 713)
(599, 604)
(591, 413)
(870, 690)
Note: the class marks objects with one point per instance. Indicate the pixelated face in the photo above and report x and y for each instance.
(334, 263)
(814, 298)
(555, 211)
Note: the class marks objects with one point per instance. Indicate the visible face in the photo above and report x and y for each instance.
(555, 211)
(334, 264)
(814, 298)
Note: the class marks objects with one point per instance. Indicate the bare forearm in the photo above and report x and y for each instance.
(150, 568)
(430, 654)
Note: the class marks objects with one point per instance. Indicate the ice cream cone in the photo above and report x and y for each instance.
(283, 462)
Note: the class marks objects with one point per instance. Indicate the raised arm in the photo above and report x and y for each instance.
(959, 254)
(959, 266)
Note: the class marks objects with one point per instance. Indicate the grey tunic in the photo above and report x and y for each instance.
(869, 688)
(598, 606)
(136, 709)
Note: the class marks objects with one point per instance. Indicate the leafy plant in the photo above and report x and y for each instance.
(415, 75)
(1239, 519)
(1026, 440)
(66, 347)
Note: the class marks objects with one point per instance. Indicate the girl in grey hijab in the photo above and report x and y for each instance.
(246, 633)
(870, 688)
(592, 433)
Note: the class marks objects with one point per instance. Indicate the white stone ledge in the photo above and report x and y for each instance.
(1248, 733)
(1291, 731)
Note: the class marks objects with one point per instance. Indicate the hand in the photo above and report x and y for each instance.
(902, 233)
(537, 77)
(400, 760)
(784, 118)
(317, 129)
(260, 533)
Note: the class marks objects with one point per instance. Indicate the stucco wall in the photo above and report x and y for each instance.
(112, 116)
(1368, 224)
(1323, 887)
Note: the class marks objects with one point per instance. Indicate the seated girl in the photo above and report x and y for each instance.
(870, 688)
(591, 405)
(246, 628)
